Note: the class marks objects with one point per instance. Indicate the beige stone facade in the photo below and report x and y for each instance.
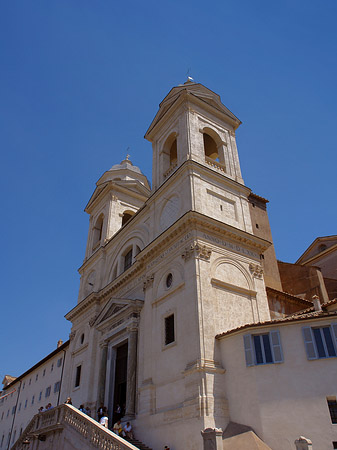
(181, 320)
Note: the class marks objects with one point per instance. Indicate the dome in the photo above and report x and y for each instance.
(126, 164)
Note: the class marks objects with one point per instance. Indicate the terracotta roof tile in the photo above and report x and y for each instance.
(293, 318)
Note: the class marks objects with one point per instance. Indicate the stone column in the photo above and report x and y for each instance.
(131, 374)
(303, 443)
(212, 438)
(102, 374)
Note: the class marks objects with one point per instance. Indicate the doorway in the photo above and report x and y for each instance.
(120, 382)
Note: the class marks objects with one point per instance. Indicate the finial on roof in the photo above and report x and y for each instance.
(189, 80)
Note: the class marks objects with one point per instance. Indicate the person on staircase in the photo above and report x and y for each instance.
(128, 431)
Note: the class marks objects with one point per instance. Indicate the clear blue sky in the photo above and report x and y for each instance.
(80, 82)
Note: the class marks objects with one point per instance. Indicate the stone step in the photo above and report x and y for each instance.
(139, 444)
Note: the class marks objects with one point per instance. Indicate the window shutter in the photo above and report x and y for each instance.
(276, 346)
(309, 343)
(334, 334)
(247, 339)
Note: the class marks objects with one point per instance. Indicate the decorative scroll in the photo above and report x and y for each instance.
(148, 282)
(198, 251)
(256, 270)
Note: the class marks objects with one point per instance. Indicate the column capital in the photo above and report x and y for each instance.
(132, 328)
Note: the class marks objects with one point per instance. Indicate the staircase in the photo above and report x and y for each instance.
(138, 444)
(67, 428)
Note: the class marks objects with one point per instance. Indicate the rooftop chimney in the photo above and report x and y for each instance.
(317, 303)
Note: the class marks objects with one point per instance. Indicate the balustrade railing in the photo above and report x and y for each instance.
(66, 415)
(170, 170)
(215, 164)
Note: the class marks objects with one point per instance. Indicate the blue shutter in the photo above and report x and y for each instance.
(247, 340)
(276, 346)
(309, 343)
(334, 334)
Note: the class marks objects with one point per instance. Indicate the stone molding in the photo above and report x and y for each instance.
(256, 270)
(198, 251)
(204, 365)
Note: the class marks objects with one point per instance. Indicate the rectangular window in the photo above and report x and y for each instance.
(332, 404)
(40, 396)
(20, 406)
(263, 348)
(128, 260)
(57, 387)
(48, 391)
(33, 399)
(59, 362)
(320, 342)
(334, 445)
(13, 410)
(44, 372)
(169, 329)
(52, 367)
(26, 404)
(37, 377)
(78, 376)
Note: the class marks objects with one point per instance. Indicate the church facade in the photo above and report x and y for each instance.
(181, 324)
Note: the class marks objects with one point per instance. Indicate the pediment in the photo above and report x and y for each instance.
(133, 186)
(114, 307)
(196, 90)
(95, 195)
(317, 247)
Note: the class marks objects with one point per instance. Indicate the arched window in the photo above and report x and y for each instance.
(214, 149)
(127, 216)
(97, 232)
(173, 153)
(211, 149)
(322, 247)
(170, 155)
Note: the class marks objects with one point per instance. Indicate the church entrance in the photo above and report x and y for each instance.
(120, 382)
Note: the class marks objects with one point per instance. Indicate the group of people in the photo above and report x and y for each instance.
(125, 432)
(46, 408)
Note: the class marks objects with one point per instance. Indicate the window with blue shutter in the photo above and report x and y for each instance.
(263, 348)
(320, 342)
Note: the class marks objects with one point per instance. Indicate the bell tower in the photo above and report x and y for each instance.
(192, 123)
(118, 195)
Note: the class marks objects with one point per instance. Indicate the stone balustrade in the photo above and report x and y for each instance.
(170, 170)
(64, 416)
(215, 164)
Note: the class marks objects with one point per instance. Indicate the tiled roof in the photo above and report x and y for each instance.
(293, 318)
(288, 296)
(307, 310)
